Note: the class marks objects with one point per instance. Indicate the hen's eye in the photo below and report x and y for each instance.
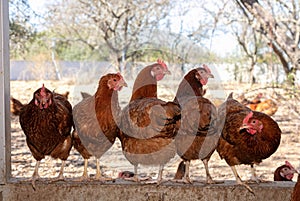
(115, 80)
(254, 121)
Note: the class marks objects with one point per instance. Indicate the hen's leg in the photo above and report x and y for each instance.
(186, 176)
(60, 176)
(35, 175)
(253, 174)
(85, 173)
(84, 176)
(160, 172)
(209, 179)
(254, 177)
(159, 179)
(238, 179)
(98, 175)
(98, 171)
(185, 169)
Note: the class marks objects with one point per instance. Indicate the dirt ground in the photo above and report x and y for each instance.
(22, 162)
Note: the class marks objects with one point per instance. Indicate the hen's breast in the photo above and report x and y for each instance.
(198, 136)
(97, 137)
(41, 128)
(148, 127)
(153, 151)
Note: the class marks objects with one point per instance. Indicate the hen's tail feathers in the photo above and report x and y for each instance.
(16, 106)
(230, 96)
(85, 95)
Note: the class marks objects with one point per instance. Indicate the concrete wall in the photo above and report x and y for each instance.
(273, 191)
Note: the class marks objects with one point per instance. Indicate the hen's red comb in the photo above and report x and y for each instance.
(289, 165)
(162, 63)
(43, 90)
(246, 119)
(206, 68)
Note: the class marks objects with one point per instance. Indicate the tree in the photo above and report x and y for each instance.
(122, 26)
(21, 30)
(278, 21)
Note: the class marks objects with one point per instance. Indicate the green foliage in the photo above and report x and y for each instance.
(21, 31)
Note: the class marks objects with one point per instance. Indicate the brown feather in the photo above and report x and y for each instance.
(145, 85)
(15, 106)
(96, 119)
(189, 86)
(239, 147)
(198, 136)
(148, 124)
(48, 130)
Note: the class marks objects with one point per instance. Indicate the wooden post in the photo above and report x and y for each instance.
(5, 168)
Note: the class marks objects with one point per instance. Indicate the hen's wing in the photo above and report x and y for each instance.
(85, 95)
(198, 117)
(150, 117)
(88, 129)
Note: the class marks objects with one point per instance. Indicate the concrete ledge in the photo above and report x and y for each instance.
(119, 190)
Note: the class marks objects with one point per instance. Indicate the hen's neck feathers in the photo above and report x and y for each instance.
(189, 86)
(145, 85)
(105, 98)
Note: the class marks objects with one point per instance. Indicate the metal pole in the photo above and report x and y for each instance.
(4, 94)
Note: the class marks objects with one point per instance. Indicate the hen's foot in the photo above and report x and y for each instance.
(183, 180)
(210, 181)
(246, 186)
(58, 178)
(83, 178)
(256, 180)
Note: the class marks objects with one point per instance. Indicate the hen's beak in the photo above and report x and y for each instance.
(294, 171)
(122, 83)
(244, 126)
(209, 75)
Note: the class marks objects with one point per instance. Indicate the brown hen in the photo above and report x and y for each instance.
(267, 106)
(148, 124)
(47, 122)
(197, 137)
(285, 172)
(96, 118)
(247, 136)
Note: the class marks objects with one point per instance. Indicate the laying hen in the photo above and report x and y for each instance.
(285, 172)
(47, 122)
(267, 106)
(247, 136)
(198, 136)
(148, 124)
(96, 118)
